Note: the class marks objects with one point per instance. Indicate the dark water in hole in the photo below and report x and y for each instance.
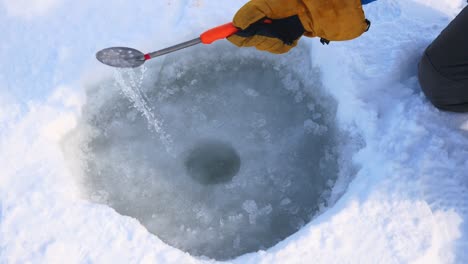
(254, 153)
(212, 162)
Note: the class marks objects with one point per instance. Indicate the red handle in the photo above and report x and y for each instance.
(218, 33)
(223, 32)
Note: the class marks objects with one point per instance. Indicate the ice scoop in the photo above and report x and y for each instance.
(123, 57)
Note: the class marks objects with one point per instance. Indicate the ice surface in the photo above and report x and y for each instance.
(404, 200)
(235, 158)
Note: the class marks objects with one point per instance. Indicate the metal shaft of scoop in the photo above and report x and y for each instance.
(173, 48)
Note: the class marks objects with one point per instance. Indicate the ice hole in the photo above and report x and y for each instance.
(212, 162)
(253, 149)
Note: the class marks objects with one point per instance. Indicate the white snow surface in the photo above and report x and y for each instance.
(30, 8)
(407, 202)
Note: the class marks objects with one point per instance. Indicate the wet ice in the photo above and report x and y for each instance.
(271, 130)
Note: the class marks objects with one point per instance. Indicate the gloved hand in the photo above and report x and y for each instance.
(273, 27)
(330, 20)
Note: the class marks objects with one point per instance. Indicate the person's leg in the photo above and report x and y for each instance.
(365, 2)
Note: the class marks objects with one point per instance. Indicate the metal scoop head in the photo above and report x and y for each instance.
(121, 57)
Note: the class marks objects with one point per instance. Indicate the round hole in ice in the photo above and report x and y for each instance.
(219, 106)
(212, 162)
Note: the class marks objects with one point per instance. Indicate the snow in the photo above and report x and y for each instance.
(405, 197)
(29, 9)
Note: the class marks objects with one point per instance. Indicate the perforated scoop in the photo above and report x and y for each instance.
(121, 57)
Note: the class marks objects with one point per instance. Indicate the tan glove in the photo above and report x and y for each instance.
(278, 34)
(332, 20)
